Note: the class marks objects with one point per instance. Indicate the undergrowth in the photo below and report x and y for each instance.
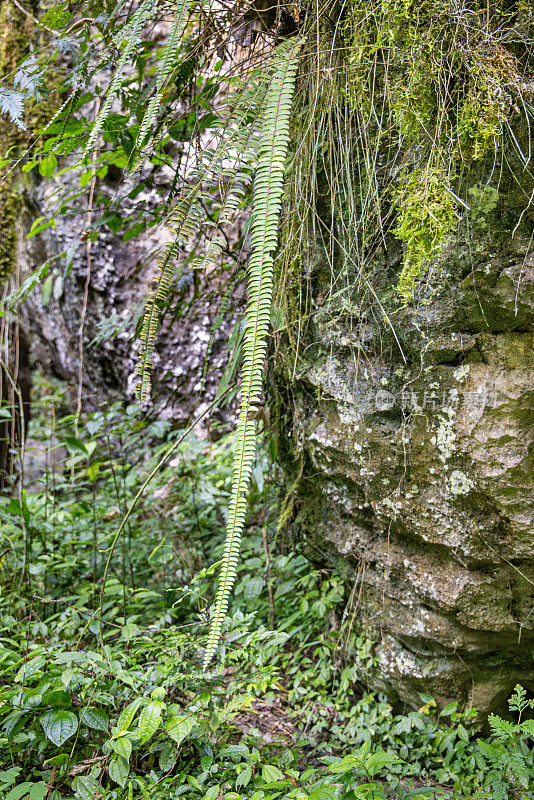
(102, 694)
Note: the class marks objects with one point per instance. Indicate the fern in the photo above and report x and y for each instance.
(185, 217)
(131, 34)
(266, 204)
(12, 103)
(167, 64)
(235, 143)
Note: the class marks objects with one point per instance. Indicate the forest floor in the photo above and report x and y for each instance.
(102, 695)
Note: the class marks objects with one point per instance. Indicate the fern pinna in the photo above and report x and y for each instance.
(266, 204)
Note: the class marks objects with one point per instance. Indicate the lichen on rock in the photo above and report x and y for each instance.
(414, 420)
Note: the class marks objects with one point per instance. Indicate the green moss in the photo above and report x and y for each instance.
(441, 86)
(427, 217)
(14, 37)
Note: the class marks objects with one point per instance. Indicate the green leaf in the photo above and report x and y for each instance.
(244, 778)
(34, 791)
(212, 793)
(323, 793)
(127, 714)
(9, 775)
(39, 225)
(38, 791)
(271, 774)
(47, 166)
(167, 757)
(48, 285)
(57, 16)
(76, 444)
(134, 231)
(85, 788)
(253, 588)
(235, 751)
(149, 720)
(123, 747)
(119, 769)
(19, 791)
(59, 726)
(95, 718)
(179, 728)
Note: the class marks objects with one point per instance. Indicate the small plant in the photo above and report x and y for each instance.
(509, 773)
(427, 218)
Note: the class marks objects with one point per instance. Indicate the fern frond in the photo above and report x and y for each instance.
(185, 217)
(266, 204)
(235, 145)
(169, 59)
(131, 33)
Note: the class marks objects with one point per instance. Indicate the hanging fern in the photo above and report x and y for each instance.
(185, 218)
(168, 63)
(236, 144)
(131, 35)
(267, 199)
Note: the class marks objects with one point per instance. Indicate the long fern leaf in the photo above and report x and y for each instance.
(168, 62)
(131, 34)
(266, 204)
(237, 145)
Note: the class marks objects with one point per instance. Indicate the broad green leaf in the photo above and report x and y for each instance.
(85, 788)
(59, 726)
(66, 676)
(28, 790)
(30, 669)
(47, 166)
(167, 757)
(123, 747)
(234, 751)
(149, 720)
(76, 444)
(253, 588)
(119, 770)
(96, 718)
(19, 791)
(127, 714)
(244, 778)
(38, 791)
(323, 793)
(9, 775)
(179, 728)
(212, 793)
(271, 774)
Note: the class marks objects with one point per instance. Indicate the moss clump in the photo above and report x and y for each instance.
(433, 79)
(427, 217)
(14, 37)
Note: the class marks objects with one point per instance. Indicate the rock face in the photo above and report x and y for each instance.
(415, 469)
(119, 278)
(110, 276)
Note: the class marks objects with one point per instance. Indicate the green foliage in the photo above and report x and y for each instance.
(104, 694)
(427, 217)
(266, 203)
(101, 688)
(446, 92)
(509, 773)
